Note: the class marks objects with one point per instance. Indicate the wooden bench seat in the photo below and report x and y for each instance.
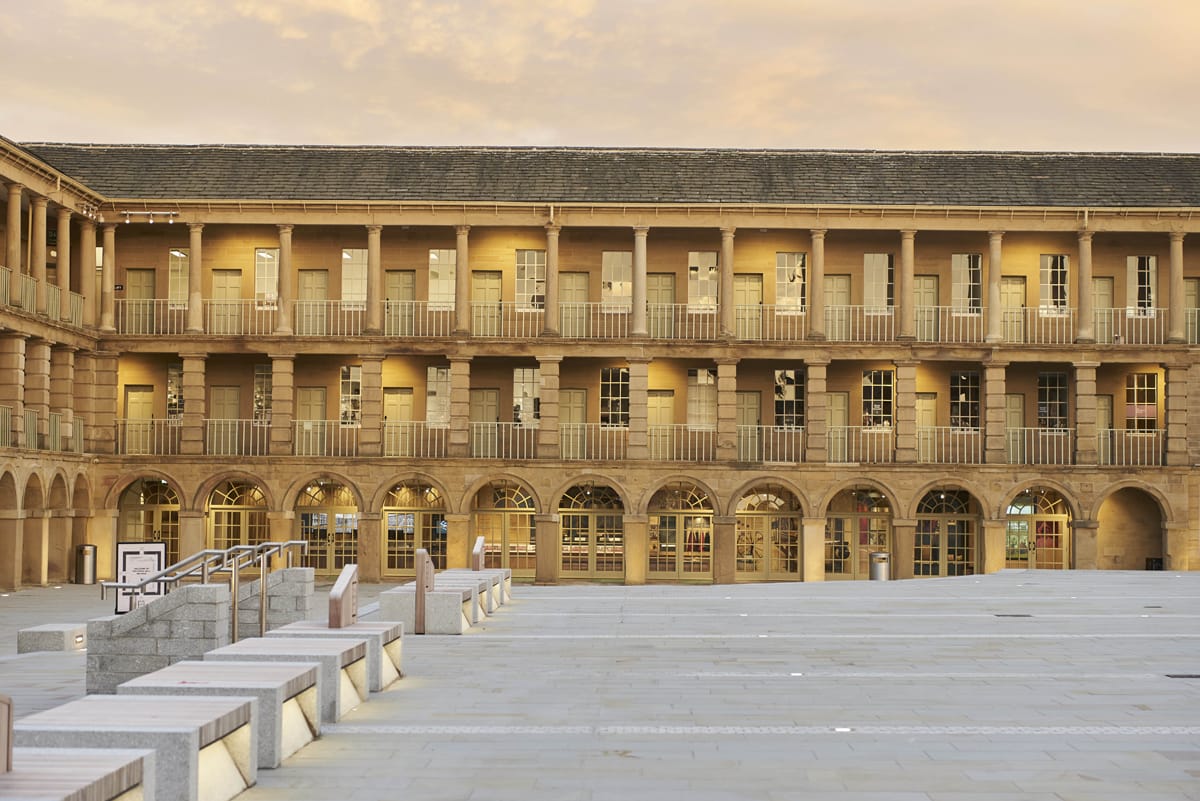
(383, 652)
(79, 774)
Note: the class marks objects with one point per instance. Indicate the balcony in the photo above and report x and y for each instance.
(860, 324)
(593, 442)
(150, 317)
(239, 317)
(759, 323)
(1131, 326)
(507, 320)
(681, 321)
(1123, 448)
(148, 437)
(949, 325)
(861, 445)
(593, 321)
(681, 443)
(417, 318)
(949, 445)
(503, 441)
(1040, 446)
(325, 438)
(328, 318)
(770, 444)
(237, 437)
(1045, 325)
(419, 439)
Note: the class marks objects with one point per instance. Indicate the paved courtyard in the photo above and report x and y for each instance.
(1019, 685)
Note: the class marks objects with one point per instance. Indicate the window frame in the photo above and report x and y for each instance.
(1141, 395)
(698, 301)
(702, 398)
(875, 271)
(965, 411)
(879, 398)
(179, 262)
(612, 301)
(350, 396)
(1054, 407)
(1141, 286)
(1054, 295)
(526, 387)
(266, 279)
(530, 283)
(354, 279)
(443, 273)
(788, 407)
(614, 397)
(966, 284)
(791, 282)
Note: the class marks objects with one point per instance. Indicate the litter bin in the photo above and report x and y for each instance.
(881, 566)
(85, 564)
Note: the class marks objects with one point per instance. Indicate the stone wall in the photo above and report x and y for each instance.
(289, 599)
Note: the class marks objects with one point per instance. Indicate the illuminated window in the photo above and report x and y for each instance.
(175, 391)
(790, 282)
(351, 395)
(614, 397)
(262, 394)
(702, 281)
(437, 395)
(789, 398)
(616, 280)
(966, 283)
(1142, 280)
(441, 279)
(964, 400)
(879, 277)
(1052, 401)
(527, 403)
(702, 398)
(178, 269)
(878, 389)
(531, 279)
(354, 278)
(1141, 402)
(266, 278)
(1054, 282)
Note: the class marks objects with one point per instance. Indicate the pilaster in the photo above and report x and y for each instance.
(37, 390)
(550, 304)
(460, 406)
(993, 545)
(283, 403)
(1193, 413)
(83, 393)
(62, 379)
(548, 433)
(995, 436)
(904, 542)
(1085, 413)
(104, 401)
(12, 383)
(458, 540)
(462, 281)
(816, 421)
(640, 233)
(637, 548)
(1177, 416)
(1084, 551)
(813, 562)
(816, 294)
(905, 410)
(639, 388)
(724, 549)
(191, 434)
(548, 536)
(192, 535)
(727, 410)
(370, 545)
(370, 434)
(195, 311)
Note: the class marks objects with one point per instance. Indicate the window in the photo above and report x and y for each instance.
(354, 279)
(527, 405)
(964, 400)
(616, 280)
(266, 278)
(614, 396)
(178, 269)
(531, 279)
(789, 398)
(175, 391)
(702, 398)
(1052, 401)
(879, 277)
(877, 398)
(790, 282)
(1141, 284)
(262, 394)
(437, 395)
(966, 283)
(441, 279)
(1054, 283)
(351, 396)
(1141, 402)
(702, 281)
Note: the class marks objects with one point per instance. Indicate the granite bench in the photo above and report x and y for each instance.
(79, 774)
(383, 651)
(52, 637)
(343, 665)
(288, 716)
(499, 583)
(449, 610)
(205, 748)
(480, 586)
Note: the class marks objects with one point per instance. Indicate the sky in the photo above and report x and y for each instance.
(1102, 75)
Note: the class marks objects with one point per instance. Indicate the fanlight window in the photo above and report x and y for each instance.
(238, 493)
(586, 496)
(769, 499)
(414, 495)
(945, 502)
(326, 493)
(680, 498)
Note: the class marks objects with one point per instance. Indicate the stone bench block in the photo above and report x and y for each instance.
(500, 578)
(287, 692)
(205, 748)
(52, 637)
(480, 588)
(343, 684)
(383, 654)
(79, 774)
(447, 611)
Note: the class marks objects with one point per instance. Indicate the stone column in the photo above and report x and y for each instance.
(639, 281)
(460, 407)
(87, 271)
(63, 267)
(550, 316)
(195, 310)
(548, 559)
(62, 379)
(37, 251)
(727, 438)
(995, 311)
(192, 536)
(84, 403)
(639, 387)
(725, 296)
(993, 545)
(1177, 396)
(36, 547)
(282, 525)
(462, 281)
(637, 548)
(370, 434)
(816, 419)
(370, 546)
(104, 401)
(995, 434)
(12, 241)
(1176, 313)
(905, 412)
(12, 385)
(1085, 412)
(1084, 552)
(1085, 324)
(816, 299)
(12, 548)
(813, 537)
(283, 403)
(191, 434)
(724, 549)
(905, 289)
(1181, 544)
(548, 433)
(108, 278)
(1193, 411)
(374, 280)
(37, 389)
(458, 540)
(286, 305)
(904, 541)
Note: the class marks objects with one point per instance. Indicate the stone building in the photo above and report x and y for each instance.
(626, 365)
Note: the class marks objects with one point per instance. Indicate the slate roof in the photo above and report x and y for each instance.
(614, 175)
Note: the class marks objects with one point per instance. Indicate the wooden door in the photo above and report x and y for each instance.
(573, 304)
(837, 307)
(925, 302)
(139, 301)
(1102, 308)
(397, 416)
(837, 418)
(224, 411)
(572, 416)
(400, 292)
(1012, 307)
(749, 434)
(926, 426)
(313, 291)
(311, 425)
(225, 308)
(747, 302)
(139, 422)
(1014, 427)
(485, 418)
(486, 312)
(660, 300)
(660, 421)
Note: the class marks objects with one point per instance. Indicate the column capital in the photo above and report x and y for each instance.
(38, 200)
(1085, 236)
(462, 230)
(818, 233)
(373, 357)
(728, 231)
(995, 236)
(202, 355)
(64, 213)
(552, 229)
(549, 359)
(281, 356)
(285, 228)
(1177, 236)
(641, 230)
(195, 227)
(88, 224)
(108, 227)
(816, 362)
(459, 358)
(374, 228)
(726, 360)
(908, 233)
(15, 188)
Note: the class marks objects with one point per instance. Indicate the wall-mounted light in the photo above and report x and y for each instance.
(169, 216)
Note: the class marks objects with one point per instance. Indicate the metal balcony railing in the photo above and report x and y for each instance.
(148, 437)
(328, 318)
(1044, 325)
(417, 318)
(681, 443)
(770, 323)
(507, 320)
(8, 438)
(949, 325)
(681, 321)
(237, 437)
(861, 444)
(592, 441)
(33, 440)
(26, 293)
(74, 309)
(1040, 445)
(150, 317)
(503, 441)
(770, 444)
(593, 321)
(1131, 326)
(1117, 447)
(53, 302)
(5, 285)
(860, 323)
(239, 317)
(949, 445)
(415, 439)
(325, 438)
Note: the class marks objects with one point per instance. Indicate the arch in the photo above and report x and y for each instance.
(949, 533)
(327, 509)
(473, 490)
(237, 514)
(33, 498)
(821, 507)
(58, 497)
(680, 531)
(1006, 499)
(596, 480)
(1130, 530)
(379, 496)
(413, 513)
(60, 514)
(948, 483)
(652, 490)
(858, 522)
(1165, 507)
(148, 511)
(591, 531)
(735, 498)
(8, 491)
(81, 495)
(203, 496)
(1037, 528)
(112, 500)
(293, 492)
(769, 526)
(503, 512)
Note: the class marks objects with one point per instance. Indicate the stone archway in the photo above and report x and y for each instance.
(1129, 535)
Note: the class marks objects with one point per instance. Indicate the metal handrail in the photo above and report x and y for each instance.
(208, 562)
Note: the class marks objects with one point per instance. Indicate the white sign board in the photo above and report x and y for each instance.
(137, 561)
